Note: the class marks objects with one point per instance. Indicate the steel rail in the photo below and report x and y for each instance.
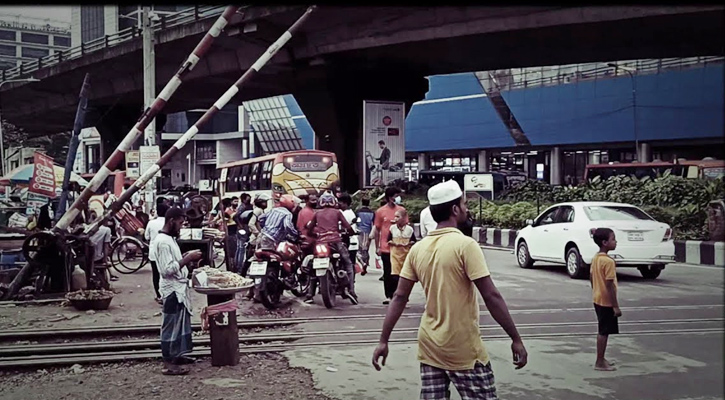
(60, 348)
(90, 358)
(272, 322)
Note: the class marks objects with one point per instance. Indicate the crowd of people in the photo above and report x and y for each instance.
(448, 263)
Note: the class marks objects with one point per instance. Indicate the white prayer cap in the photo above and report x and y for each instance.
(444, 192)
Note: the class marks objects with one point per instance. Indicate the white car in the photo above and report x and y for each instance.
(563, 234)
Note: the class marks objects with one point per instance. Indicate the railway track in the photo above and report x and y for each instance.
(84, 352)
(153, 329)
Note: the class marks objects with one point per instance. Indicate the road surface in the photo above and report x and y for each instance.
(670, 346)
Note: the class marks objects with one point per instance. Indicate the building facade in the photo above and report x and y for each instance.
(556, 120)
(91, 22)
(252, 129)
(24, 39)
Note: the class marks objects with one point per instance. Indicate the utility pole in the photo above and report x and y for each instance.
(149, 95)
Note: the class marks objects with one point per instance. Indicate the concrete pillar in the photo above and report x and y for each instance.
(556, 166)
(333, 104)
(484, 161)
(422, 162)
(645, 152)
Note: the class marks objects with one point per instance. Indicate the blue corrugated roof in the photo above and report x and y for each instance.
(670, 105)
(444, 86)
(461, 124)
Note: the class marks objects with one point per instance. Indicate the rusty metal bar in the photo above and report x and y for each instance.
(189, 134)
(115, 159)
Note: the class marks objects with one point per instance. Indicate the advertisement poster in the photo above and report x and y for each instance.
(478, 185)
(132, 163)
(43, 180)
(383, 142)
(148, 156)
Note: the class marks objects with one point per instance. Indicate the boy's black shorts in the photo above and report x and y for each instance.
(608, 323)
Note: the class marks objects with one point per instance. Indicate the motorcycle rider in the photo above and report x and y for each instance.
(277, 224)
(328, 220)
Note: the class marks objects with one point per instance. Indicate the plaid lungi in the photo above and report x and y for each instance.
(175, 329)
(472, 384)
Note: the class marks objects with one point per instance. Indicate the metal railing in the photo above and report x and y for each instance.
(183, 17)
(551, 76)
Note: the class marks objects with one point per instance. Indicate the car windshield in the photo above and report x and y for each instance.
(615, 213)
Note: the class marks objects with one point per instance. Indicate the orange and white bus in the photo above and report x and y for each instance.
(298, 172)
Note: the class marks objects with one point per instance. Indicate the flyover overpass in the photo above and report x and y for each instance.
(347, 54)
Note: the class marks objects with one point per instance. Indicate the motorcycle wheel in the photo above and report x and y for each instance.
(270, 293)
(302, 285)
(328, 288)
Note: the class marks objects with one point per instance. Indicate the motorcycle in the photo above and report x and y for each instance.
(277, 270)
(328, 270)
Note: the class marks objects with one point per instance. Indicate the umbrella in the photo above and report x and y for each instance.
(24, 173)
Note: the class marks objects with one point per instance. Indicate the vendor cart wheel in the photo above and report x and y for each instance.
(41, 247)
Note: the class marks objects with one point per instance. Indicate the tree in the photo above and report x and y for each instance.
(55, 145)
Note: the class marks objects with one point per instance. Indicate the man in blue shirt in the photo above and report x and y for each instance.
(367, 217)
(278, 223)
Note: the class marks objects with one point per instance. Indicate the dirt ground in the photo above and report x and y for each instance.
(133, 304)
(258, 377)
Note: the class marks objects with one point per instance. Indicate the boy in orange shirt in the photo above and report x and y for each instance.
(603, 277)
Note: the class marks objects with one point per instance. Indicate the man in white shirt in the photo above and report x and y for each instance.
(152, 229)
(174, 287)
(427, 223)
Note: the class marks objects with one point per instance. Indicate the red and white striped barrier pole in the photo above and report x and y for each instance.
(149, 114)
(218, 105)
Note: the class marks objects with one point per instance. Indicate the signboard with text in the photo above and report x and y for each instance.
(148, 156)
(132, 163)
(383, 142)
(43, 180)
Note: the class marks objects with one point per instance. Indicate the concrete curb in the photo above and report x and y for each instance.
(695, 252)
(700, 252)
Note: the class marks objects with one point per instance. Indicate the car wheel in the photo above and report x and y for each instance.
(651, 271)
(523, 256)
(575, 267)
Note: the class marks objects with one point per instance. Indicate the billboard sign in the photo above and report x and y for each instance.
(43, 179)
(132, 163)
(148, 156)
(383, 142)
(478, 184)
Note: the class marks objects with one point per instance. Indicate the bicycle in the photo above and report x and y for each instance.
(126, 251)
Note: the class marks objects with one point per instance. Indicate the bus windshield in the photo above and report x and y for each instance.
(304, 172)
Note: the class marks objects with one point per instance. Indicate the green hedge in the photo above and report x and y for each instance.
(682, 203)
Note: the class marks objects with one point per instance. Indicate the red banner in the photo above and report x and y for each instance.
(43, 180)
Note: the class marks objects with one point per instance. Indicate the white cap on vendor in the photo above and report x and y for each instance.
(444, 192)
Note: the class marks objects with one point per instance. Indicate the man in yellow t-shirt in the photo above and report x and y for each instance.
(450, 266)
(603, 275)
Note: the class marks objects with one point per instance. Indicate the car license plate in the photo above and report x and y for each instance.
(321, 263)
(258, 268)
(635, 236)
